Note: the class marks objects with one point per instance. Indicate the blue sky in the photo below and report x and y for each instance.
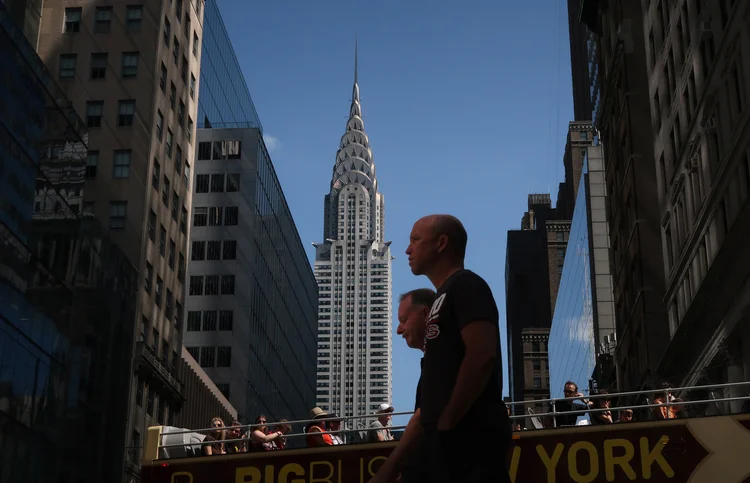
(466, 106)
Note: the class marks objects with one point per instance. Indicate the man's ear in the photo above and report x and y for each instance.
(442, 243)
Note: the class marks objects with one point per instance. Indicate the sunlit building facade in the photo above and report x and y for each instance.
(353, 270)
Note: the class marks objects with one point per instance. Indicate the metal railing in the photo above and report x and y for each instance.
(665, 393)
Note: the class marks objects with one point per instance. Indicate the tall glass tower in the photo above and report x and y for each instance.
(353, 270)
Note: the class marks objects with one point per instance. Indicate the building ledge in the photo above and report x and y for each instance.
(151, 368)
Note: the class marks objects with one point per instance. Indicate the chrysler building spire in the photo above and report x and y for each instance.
(353, 270)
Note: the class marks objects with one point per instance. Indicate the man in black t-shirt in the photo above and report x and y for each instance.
(463, 416)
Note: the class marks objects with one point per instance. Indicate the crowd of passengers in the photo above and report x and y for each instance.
(598, 409)
(322, 430)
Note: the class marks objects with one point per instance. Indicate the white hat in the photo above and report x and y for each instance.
(385, 408)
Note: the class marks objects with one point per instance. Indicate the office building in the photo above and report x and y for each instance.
(224, 99)
(66, 291)
(130, 70)
(203, 399)
(624, 121)
(353, 270)
(583, 328)
(698, 68)
(579, 60)
(252, 299)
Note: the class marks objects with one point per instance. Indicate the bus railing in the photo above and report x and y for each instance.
(154, 442)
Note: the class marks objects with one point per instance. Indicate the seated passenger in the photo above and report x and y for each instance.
(570, 390)
(260, 438)
(379, 428)
(318, 440)
(335, 425)
(236, 433)
(216, 436)
(282, 428)
(601, 417)
(673, 411)
(626, 416)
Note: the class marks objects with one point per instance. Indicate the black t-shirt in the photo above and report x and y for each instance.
(462, 299)
(418, 398)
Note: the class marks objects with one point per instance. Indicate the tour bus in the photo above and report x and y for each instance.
(712, 448)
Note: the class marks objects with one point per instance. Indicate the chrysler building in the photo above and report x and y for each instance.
(353, 270)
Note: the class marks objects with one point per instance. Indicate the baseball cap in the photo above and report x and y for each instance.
(385, 408)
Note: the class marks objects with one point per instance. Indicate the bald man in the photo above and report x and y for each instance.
(464, 421)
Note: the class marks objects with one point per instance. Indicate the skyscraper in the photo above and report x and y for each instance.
(353, 270)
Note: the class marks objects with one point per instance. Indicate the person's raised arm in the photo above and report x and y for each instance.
(410, 440)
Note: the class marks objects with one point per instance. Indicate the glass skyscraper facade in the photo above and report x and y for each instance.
(252, 303)
(571, 341)
(66, 293)
(224, 99)
(582, 338)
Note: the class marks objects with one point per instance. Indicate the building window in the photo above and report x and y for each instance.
(181, 114)
(187, 25)
(121, 167)
(181, 268)
(212, 285)
(155, 175)
(204, 151)
(184, 69)
(152, 226)
(125, 113)
(198, 251)
(224, 388)
(167, 310)
(200, 216)
(72, 20)
(130, 64)
(209, 321)
(192, 86)
(183, 220)
(196, 285)
(157, 297)
(177, 323)
(172, 250)
(139, 394)
(215, 215)
(195, 44)
(167, 31)
(117, 212)
(68, 66)
(99, 66)
(176, 52)
(233, 182)
(165, 192)
(217, 183)
(178, 9)
(133, 17)
(172, 95)
(175, 205)
(208, 354)
(537, 383)
(231, 216)
(230, 250)
(163, 78)
(226, 319)
(227, 284)
(194, 321)
(92, 161)
(537, 365)
(162, 240)
(159, 125)
(201, 183)
(190, 130)
(148, 280)
(103, 20)
(213, 250)
(186, 174)
(170, 138)
(224, 358)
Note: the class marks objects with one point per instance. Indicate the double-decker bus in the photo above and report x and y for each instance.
(705, 449)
